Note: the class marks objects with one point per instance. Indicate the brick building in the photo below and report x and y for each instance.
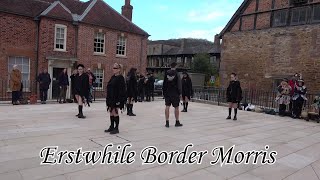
(267, 40)
(49, 34)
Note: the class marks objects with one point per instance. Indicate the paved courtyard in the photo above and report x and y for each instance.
(25, 130)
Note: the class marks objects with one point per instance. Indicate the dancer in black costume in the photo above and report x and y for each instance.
(116, 98)
(187, 91)
(234, 95)
(132, 90)
(81, 89)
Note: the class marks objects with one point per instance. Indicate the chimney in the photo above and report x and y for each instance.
(217, 40)
(127, 10)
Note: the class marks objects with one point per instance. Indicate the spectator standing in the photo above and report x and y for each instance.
(44, 83)
(63, 85)
(15, 84)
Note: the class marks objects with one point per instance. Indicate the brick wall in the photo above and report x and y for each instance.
(263, 20)
(136, 45)
(236, 26)
(263, 55)
(46, 44)
(281, 4)
(247, 22)
(18, 38)
(264, 5)
(251, 8)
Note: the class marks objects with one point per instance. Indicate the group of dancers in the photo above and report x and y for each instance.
(123, 93)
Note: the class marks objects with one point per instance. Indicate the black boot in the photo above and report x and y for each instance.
(111, 127)
(167, 123)
(235, 114)
(116, 129)
(184, 107)
(131, 110)
(178, 124)
(187, 106)
(229, 117)
(81, 116)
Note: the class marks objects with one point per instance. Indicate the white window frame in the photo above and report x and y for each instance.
(95, 72)
(25, 88)
(313, 13)
(104, 43)
(65, 37)
(125, 46)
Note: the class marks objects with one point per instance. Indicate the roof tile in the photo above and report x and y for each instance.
(101, 13)
(104, 15)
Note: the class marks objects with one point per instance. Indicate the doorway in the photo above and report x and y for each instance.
(55, 82)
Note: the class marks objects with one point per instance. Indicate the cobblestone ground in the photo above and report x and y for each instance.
(25, 130)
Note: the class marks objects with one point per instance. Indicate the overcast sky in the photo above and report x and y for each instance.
(167, 19)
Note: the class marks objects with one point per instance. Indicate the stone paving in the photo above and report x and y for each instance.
(25, 130)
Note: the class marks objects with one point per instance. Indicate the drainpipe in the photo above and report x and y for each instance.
(37, 19)
(76, 25)
(141, 53)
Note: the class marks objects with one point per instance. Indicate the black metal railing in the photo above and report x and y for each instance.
(259, 98)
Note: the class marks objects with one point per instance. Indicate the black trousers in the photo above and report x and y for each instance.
(152, 94)
(148, 94)
(282, 109)
(15, 96)
(43, 94)
(297, 107)
(291, 106)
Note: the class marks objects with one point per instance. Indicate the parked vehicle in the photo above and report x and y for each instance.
(158, 87)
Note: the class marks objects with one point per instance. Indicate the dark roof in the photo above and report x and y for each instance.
(178, 42)
(101, 14)
(75, 6)
(190, 46)
(234, 18)
(215, 49)
(30, 8)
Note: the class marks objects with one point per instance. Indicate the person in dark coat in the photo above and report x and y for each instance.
(92, 80)
(187, 91)
(116, 98)
(81, 89)
(72, 77)
(147, 87)
(151, 81)
(44, 83)
(234, 95)
(131, 90)
(63, 84)
(141, 87)
(298, 98)
(172, 93)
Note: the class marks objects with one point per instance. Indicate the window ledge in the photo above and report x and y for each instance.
(60, 50)
(99, 54)
(121, 56)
